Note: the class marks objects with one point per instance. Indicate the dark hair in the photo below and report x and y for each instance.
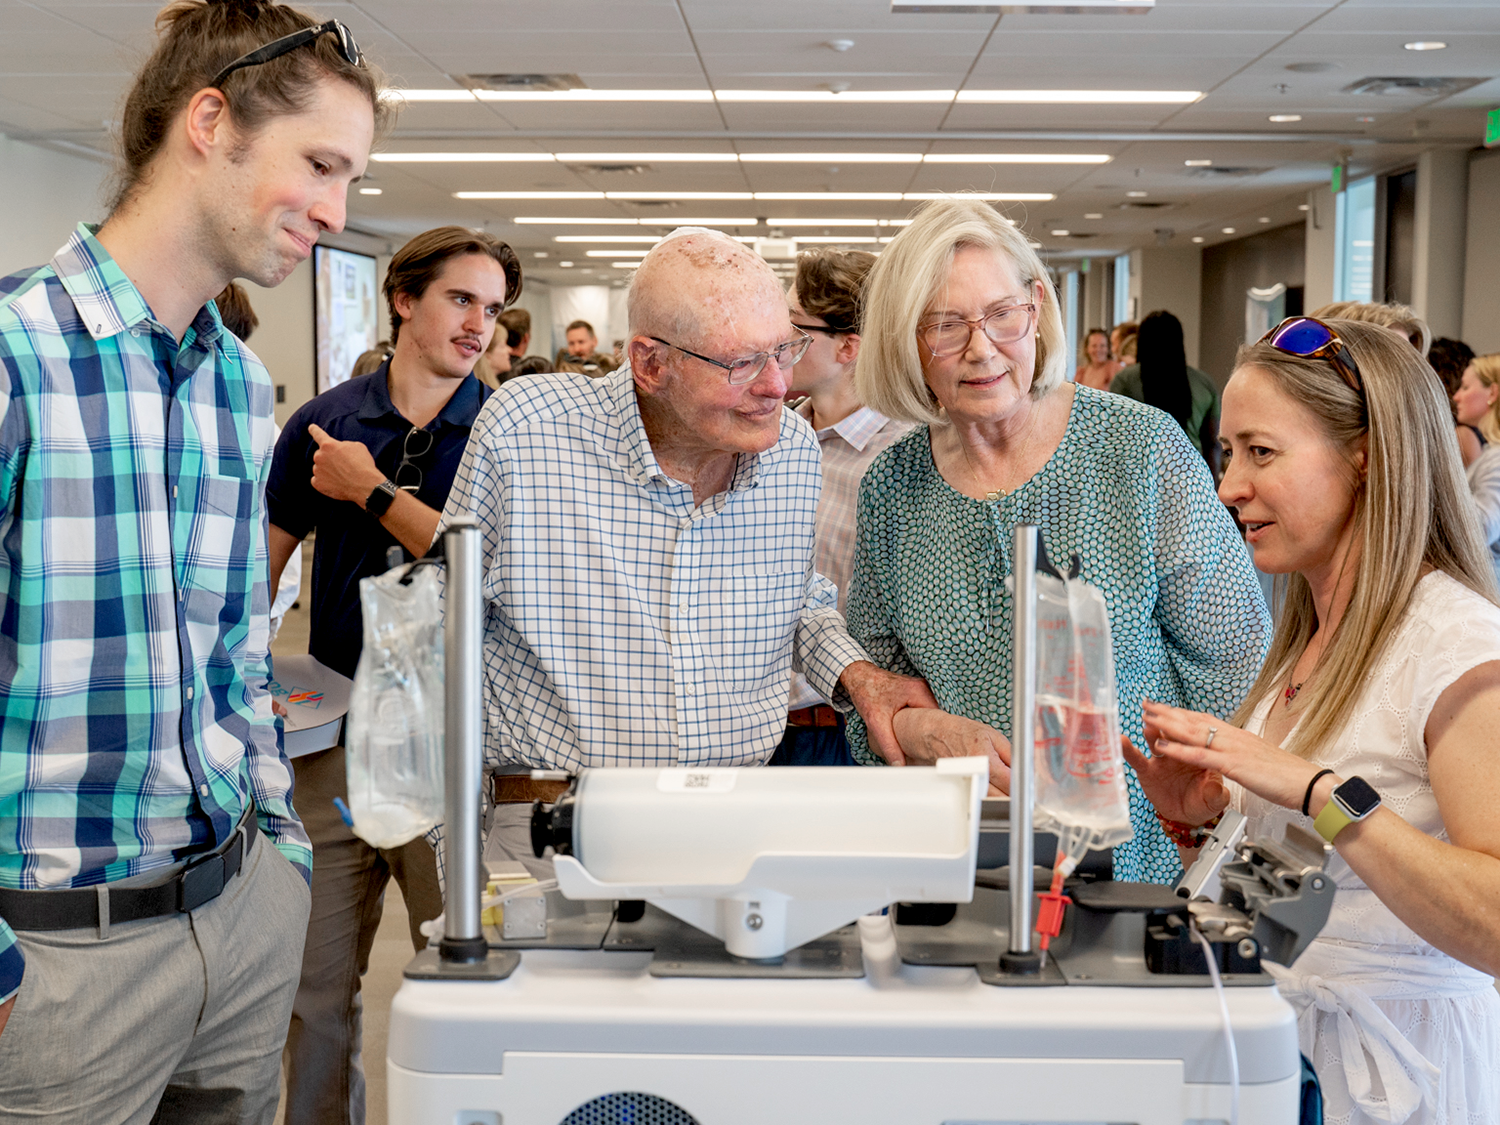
(417, 264)
(1163, 360)
(531, 365)
(585, 325)
(1450, 358)
(829, 283)
(517, 325)
(235, 311)
(198, 38)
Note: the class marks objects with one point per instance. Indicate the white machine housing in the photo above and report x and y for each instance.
(766, 860)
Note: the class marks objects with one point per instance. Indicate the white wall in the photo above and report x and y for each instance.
(1321, 250)
(43, 195)
(1439, 238)
(536, 298)
(581, 302)
(1171, 278)
(1481, 316)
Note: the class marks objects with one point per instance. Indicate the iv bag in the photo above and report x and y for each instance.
(1081, 792)
(394, 749)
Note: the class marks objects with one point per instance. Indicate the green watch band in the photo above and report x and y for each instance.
(1354, 800)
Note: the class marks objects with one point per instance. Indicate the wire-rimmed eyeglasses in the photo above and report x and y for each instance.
(744, 370)
(408, 458)
(1003, 326)
(348, 48)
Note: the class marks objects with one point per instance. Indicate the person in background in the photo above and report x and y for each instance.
(139, 770)
(370, 361)
(1119, 335)
(824, 303)
(239, 317)
(648, 544)
(1375, 723)
(1162, 378)
(531, 365)
(1449, 360)
(1098, 366)
(368, 466)
(1400, 319)
(581, 340)
(1476, 404)
(492, 367)
(517, 325)
(963, 336)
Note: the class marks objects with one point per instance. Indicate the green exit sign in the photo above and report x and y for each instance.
(1339, 180)
(1492, 129)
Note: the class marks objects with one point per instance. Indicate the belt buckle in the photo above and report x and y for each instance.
(200, 883)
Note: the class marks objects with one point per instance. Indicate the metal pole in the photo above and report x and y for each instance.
(1020, 957)
(463, 940)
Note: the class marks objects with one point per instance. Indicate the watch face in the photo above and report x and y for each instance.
(1357, 797)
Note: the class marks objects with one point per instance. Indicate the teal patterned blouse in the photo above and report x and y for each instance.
(1128, 495)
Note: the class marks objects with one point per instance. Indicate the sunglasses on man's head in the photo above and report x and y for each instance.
(1309, 338)
(347, 47)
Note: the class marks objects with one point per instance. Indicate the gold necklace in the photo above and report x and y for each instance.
(990, 496)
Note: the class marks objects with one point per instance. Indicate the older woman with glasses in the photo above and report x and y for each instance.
(962, 335)
(1375, 722)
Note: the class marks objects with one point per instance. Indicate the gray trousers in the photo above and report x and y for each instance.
(173, 1019)
(325, 1073)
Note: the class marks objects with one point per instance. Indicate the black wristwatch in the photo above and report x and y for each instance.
(381, 499)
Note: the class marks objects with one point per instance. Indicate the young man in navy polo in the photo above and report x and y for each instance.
(368, 465)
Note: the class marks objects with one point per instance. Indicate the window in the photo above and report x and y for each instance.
(1123, 310)
(1070, 318)
(1354, 233)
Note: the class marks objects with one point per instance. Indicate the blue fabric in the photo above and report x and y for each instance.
(814, 746)
(351, 543)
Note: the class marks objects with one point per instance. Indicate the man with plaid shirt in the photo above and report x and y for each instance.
(149, 938)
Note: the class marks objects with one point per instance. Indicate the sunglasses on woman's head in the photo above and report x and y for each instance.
(1309, 338)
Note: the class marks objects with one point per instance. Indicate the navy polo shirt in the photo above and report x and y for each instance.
(351, 543)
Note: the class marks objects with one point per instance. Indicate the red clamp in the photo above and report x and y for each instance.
(1049, 914)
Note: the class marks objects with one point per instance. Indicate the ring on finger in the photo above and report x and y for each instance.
(1209, 741)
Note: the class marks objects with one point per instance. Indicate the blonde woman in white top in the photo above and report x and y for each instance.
(1385, 667)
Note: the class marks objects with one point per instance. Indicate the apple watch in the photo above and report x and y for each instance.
(380, 500)
(1354, 800)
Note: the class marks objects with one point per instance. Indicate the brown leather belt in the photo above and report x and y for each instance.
(820, 716)
(520, 789)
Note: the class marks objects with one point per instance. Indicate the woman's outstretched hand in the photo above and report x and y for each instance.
(1179, 791)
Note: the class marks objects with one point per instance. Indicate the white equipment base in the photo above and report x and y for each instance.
(904, 1045)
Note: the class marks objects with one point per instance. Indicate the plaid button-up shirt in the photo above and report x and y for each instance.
(133, 597)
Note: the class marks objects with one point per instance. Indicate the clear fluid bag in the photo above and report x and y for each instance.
(1081, 793)
(394, 738)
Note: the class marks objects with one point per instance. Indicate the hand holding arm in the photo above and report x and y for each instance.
(345, 470)
(878, 695)
(926, 734)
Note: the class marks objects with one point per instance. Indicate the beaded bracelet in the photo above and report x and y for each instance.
(1187, 835)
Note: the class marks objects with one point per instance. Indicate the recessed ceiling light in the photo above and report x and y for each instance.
(823, 222)
(626, 265)
(1094, 215)
(1285, 118)
(1034, 245)
(646, 239)
(1304, 207)
(1228, 230)
(566, 265)
(1425, 45)
(839, 240)
(1197, 238)
(1135, 194)
(1061, 233)
(618, 253)
(1081, 97)
(369, 191)
(539, 254)
(1198, 163)
(1013, 158)
(622, 222)
(1263, 219)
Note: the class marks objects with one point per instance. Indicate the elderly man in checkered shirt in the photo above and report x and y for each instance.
(648, 546)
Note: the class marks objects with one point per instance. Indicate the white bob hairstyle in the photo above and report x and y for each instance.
(904, 281)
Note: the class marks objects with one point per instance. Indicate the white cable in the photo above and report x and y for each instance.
(1234, 1057)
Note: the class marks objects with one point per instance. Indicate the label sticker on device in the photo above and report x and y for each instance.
(695, 781)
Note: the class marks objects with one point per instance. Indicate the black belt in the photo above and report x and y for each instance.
(201, 881)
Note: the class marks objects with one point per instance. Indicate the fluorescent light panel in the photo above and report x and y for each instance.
(618, 221)
(1014, 97)
(781, 196)
(615, 253)
(648, 239)
(744, 158)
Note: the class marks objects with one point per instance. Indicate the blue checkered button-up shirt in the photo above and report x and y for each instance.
(133, 598)
(624, 625)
